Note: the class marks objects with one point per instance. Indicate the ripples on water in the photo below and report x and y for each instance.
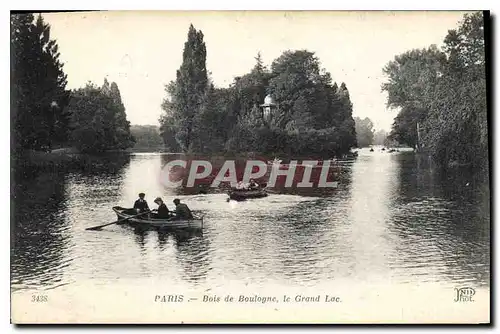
(391, 219)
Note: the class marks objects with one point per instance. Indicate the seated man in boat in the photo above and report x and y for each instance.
(181, 210)
(141, 205)
(162, 211)
(253, 185)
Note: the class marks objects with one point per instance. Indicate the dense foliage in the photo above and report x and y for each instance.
(147, 137)
(312, 114)
(187, 93)
(38, 86)
(444, 91)
(380, 138)
(364, 131)
(98, 119)
(44, 113)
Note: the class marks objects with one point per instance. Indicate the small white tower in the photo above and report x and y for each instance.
(267, 107)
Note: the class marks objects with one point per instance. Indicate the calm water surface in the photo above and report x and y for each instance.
(392, 219)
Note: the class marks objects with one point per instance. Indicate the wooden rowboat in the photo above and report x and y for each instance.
(150, 221)
(244, 194)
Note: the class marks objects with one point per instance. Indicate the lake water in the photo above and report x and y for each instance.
(394, 226)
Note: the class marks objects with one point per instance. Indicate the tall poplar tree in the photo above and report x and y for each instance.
(38, 85)
(187, 94)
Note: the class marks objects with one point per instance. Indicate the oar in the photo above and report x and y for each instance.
(95, 228)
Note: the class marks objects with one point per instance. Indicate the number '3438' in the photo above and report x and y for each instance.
(39, 298)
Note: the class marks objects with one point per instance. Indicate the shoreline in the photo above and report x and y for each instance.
(70, 155)
(57, 160)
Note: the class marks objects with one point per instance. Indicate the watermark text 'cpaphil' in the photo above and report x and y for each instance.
(300, 174)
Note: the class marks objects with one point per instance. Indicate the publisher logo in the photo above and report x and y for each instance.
(464, 294)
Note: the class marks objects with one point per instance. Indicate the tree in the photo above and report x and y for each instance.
(413, 76)
(169, 123)
(364, 131)
(188, 93)
(404, 128)
(297, 85)
(445, 93)
(309, 103)
(249, 90)
(98, 119)
(120, 122)
(213, 121)
(459, 114)
(38, 85)
(147, 137)
(231, 119)
(341, 103)
(379, 137)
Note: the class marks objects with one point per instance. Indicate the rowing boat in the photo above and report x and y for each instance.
(243, 194)
(151, 221)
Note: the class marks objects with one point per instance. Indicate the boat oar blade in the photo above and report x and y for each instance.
(95, 228)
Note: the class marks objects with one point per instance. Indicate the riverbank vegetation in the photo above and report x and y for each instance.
(311, 114)
(30, 162)
(366, 135)
(380, 138)
(98, 119)
(441, 97)
(364, 131)
(442, 90)
(147, 138)
(38, 86)
(45, 114)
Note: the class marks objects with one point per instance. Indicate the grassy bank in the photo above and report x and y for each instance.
(31, 158)
(64, 159)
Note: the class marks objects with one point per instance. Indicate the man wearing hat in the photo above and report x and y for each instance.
(181, 210)
(141, 205)
(163, 212)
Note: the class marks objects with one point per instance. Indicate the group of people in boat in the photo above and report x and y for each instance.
(251, 185)
(181, 211)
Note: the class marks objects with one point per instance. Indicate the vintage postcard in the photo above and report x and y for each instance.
(250, 167)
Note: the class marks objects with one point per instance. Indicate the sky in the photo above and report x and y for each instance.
(141, 50)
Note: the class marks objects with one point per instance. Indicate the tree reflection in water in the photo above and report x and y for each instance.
(443, 212)
(39, 229)
(192, 248)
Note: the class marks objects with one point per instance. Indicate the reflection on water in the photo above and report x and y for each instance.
(40, 231)
(191, 248)
(442, 214)
(392, 218)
